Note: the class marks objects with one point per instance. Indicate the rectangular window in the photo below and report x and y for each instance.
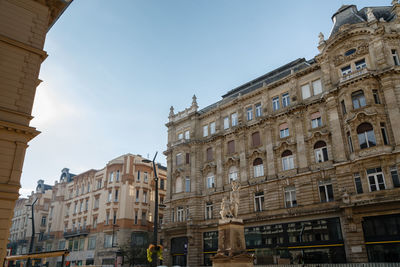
(144, 218)
(94, 222)
(258, 201)
(226, 123)
(384, 134)
(285, 100)
(145, 177)
(360, 64)
(249, 113)
(305, 91)
(376, 180)
(258, 110)
(325, 191)
(346, 70)
(81, 244)
(98, 184)
(258, 170)
(138, 176)
(108, 241)
(231, 147)
(395, 57)
(317, 122)
(343, 107)
(136, 218)
(107, 218)
(144, 196)
(376, 96)
(86, 204)
(187, 184)
(180, 136)
(357, 182)
(96, 203)
(275, 103)
(187, 135)
(284, 132)
(317, 87)
(234, 119)
(180, 214)
(212, 128)
(209, 211)
(109, 199)
(111, 177)
(92, 243)
(116, 195)
(350, 142)
(61, 244)
(287, 163)
(115, 217)
(290, 197)
(75, 208)
(321, 154)
(81, 206)
(205, 130)
(395, 176)
(187, 158)
(210, 182)
(137, 195)
(43, 223)
(162, 182)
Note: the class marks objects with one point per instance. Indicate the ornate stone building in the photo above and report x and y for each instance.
(314, 145)
(92, 214)
(23, 28)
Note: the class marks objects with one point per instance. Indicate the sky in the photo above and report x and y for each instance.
(115, 68)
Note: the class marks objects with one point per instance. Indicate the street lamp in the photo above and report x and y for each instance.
(155, 207)
(28, 264)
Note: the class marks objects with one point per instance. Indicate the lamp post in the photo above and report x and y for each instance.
(28, 264)
(155, 233)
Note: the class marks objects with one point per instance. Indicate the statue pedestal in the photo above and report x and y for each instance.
(231, 245)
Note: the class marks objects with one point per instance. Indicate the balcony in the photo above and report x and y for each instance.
(354, 74)
(77, 232)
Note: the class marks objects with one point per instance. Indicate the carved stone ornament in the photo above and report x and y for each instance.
(229, 209)
(321, 38)
(394, 2)
(370, 15)
(362, 49)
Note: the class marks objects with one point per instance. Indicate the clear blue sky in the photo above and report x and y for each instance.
(115, 68)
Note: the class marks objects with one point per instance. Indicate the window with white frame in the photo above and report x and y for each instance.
(179, 159)
(209, 211)
(285, 100)
(317, 87)
(116, 195)
(287, 160)
(179, 214)
(137, 195)
(290, 197)
(226, 123)
(146, 176)
(212, 127)
(358, 183)
(234, 119)
(111, 179)
(283, 130)
(320, 152)
(205, 130)
(233, 174)
(275, 103)
(395, 57)
(96, 202)
(144, 196)
(107, 218)
(376, 180)
(178, 185)
(109, 198)
(395, 176)
(187, 135)
(360, 64)
(258, 201)
(325, 191)
(117, 176)
(346, 70)
(210, 181)
(358, 99)
(258, 167)
(316, 120)
(305, 91)
(180, 136)
(366, 136)
(187, 184)
(350, 142)
(384, 134)
(375, 94)
(258, 110)
(249, 113)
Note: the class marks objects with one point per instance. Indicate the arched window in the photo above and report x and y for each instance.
(366, 136)
(258, 167)
(233, 174)
(358, 99)
(255, 138)
(178, 185)
(287, 160)
(210, 180)
(320, 151)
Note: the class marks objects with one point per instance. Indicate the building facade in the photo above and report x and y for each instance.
(23, 28)
(314, 145)
(93, 214)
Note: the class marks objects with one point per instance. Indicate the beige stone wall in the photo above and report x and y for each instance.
(374, 42)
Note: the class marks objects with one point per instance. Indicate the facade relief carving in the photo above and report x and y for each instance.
(361, 49)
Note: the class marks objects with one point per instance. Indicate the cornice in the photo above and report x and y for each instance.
(29, 132)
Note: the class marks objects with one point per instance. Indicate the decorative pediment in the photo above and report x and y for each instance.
(360, 117)
(318, 135)
(361, 48)
(285, 145)
(209, 167)
(178, 172)
(232, 161)
(256, 153)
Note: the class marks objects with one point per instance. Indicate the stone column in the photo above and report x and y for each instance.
(338, 148)
(390, 87)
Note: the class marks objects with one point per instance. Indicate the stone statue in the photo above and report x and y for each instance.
(225, 209)
(321, 38)
(234, 198)
(395, 2)
(194, 102)
(171, 111)
(370, 15)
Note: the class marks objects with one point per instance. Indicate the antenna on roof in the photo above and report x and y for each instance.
(148, 155)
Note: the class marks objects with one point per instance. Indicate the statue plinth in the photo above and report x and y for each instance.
(231, 245)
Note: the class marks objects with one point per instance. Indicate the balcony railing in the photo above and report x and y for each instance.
(77, 232)
(353, 74)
